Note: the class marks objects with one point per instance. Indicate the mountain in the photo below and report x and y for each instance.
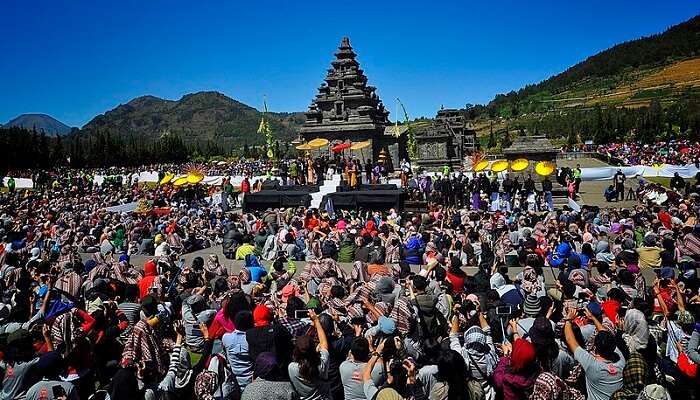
(197, 118)
(40, 122)
(662, 66)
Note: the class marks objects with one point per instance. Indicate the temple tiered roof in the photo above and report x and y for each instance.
(345, 102)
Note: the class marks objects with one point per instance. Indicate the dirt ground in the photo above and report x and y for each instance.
(592, 191)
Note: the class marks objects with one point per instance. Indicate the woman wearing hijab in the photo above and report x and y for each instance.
(516, 373)
(636, 331)
(634, 378)
(268, 381)
(478, 351)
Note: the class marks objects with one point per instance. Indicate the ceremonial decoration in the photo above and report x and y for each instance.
(519, 164)
(318, 143)
(167, 178)
(340, 147)
(264, 128)
(499, 165)
(411, 145)
(545, 168)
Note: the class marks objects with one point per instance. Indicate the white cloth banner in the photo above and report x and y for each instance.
(646, 171)
(20, 183)
(122, 208)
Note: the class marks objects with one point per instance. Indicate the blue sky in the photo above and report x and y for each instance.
(75, 59)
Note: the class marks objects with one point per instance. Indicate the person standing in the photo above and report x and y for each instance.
(677, 183)
(368, 172)
(11, 184)
(405, 172)
(619, 180)
(245, 187)
(577, 177)
(547, 190)
(529, 184)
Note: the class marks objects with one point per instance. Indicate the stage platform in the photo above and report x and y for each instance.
(277, 185)
(375, 200)
(382, 186)
(265, 199)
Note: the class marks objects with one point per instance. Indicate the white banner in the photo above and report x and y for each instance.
(646, 171)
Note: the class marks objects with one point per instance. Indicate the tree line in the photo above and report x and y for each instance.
(655, 122)
(31, 149)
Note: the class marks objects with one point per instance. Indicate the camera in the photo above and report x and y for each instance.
(504, 310)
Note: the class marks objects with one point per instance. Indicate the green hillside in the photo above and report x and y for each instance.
(198, 118)
(645, 89)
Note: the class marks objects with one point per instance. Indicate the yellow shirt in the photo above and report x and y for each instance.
(244, 250)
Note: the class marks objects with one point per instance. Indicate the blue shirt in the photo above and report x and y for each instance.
(257, 273)
(238, 357)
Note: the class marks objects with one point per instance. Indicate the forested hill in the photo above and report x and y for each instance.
(640, 69)
(198, 118)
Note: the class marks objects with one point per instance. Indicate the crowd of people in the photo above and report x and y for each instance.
(488, 294)
(675, 152)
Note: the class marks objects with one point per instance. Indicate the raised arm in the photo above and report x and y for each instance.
(322, 340)
(569, 336)
(367, 372)
(598, 325)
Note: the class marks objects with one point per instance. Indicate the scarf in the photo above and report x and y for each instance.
(548, 386)
(143, 347)
(634, 377)
(636, 329)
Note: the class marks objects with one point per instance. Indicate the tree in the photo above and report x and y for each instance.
(492, 137)
(506, 141)
(58, 155)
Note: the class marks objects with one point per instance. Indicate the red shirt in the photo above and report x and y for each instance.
(457, 281)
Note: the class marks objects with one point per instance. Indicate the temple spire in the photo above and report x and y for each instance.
(345, 106)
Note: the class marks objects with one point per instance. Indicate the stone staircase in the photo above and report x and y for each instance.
(329, 186)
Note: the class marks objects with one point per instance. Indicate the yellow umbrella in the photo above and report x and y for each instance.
(519, 164)
(180, 181)
(194, 178)
(359, 145)
(481, 165)
(544, 168)
(499, 165)
(167, 178)
(304, 147)
(318, 143)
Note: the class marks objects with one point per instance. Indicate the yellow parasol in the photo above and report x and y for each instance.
(180, 181)
(167, 178)
(544, 168)
(194, 178)
(519, 164)
(481, 165)
(304, 147)
(360, 145)
(318, 143)
(499, 165)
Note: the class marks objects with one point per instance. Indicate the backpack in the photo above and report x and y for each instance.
(431, 323)
(212, 379)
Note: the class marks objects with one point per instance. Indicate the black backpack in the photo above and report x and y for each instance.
(431, 323)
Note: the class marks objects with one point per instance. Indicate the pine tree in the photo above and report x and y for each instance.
(492, 138)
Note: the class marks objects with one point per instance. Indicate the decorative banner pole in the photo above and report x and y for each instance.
(265, 129)
(411, 145)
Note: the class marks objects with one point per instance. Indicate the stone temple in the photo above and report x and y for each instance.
(346, 107)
